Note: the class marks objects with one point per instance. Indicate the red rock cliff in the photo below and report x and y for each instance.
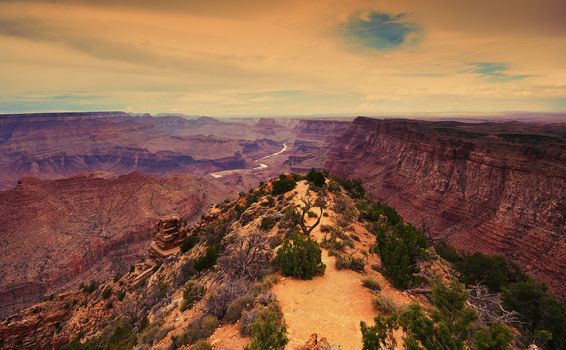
(498, 188)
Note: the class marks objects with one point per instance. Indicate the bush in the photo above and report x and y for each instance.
(448, 325)
(201, 345)
(268, 333)
(123, 338)
(300, 258)
(282, 185)
(354, 187)
(218, 303)
(400, 247)
(208, 259)
(317, 178)
(237, 307)
(188, 243)
(267, 223)
(201, 328)
(495, 337)
(374, 211)
(107, 292)
(193, 293)
(540, 311)
(246, 257)
(385, 304)
(267, 304)
(354, 263)
(89, 288)
(492, 271)
(372, 284)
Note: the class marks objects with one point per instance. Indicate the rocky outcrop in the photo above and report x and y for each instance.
(498, 188)
(168, 234)
(55, 234)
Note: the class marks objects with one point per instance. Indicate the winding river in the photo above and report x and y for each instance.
(260, 166)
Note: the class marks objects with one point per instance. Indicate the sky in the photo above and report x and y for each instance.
(307, 57)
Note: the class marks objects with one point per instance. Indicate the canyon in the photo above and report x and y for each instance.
(82, 190)
(497, 188)
(56, 234)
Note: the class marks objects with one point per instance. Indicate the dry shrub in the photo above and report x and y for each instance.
(385, 304)
(246, 257)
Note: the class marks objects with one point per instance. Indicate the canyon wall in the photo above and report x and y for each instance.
(55, 234)
(58, 145)
(498, 188)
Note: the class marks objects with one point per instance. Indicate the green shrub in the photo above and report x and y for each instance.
(354, 187)
(448, 325)
(400, 247)
(374, 211)
(107, 292)
(495, 337)
(89, 288)
(372, 284)
(539, 310)
(268, 333)
(121, 295)
(201, 328)
(208, 259)
(282, 185)
(201, 345)
(237, 307)
(300, 258)
(194, 292)
(122, 339)
(188, 243)
(267, 223)
(317, 178)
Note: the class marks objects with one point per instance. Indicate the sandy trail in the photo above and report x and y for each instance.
(331, 305)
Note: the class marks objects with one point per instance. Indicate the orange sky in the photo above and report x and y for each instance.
(283, 57)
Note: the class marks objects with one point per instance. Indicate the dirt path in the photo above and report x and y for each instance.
(331, 305)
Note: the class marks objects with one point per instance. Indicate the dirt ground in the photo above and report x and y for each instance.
(334, 304)
(331, 306)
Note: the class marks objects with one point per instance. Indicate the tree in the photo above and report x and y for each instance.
(400, 248)
(317, 178)
(300, 258)
(308, 204)
(246, 256)
(448, 325)
(539, 310)
(283, 185)
(208, 259)
(495, 337)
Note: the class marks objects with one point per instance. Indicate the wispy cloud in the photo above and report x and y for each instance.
(496, 71)
(382, 31)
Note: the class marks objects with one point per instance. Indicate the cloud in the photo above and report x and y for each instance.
(382, 31)
(496, 71)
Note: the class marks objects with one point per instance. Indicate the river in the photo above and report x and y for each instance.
(260, 166)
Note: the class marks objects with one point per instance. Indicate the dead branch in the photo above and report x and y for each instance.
(489, 306)
(308, 204)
